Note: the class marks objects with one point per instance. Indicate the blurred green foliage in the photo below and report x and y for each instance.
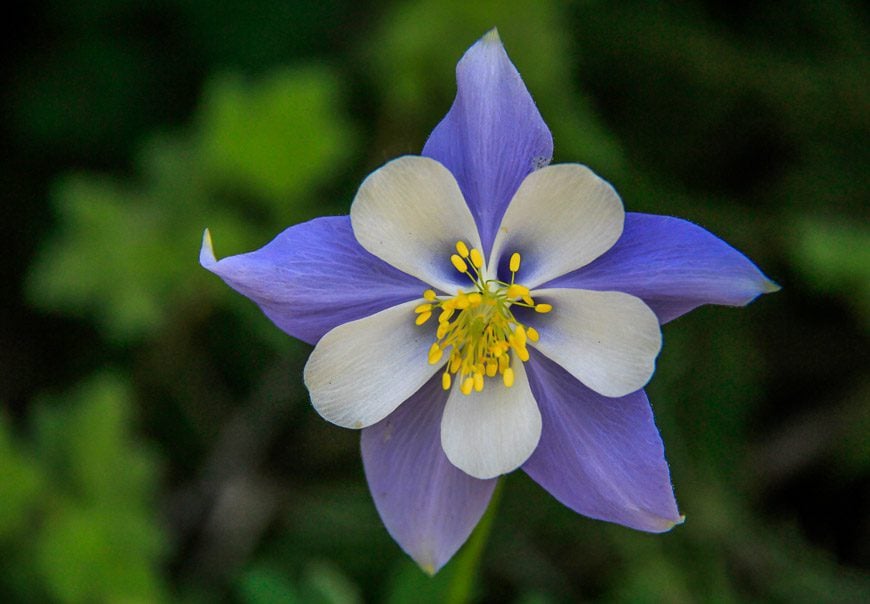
(136, 126)
(272, 142)
(79, 517)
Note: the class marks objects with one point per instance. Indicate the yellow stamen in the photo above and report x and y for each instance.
(478, 382)
(517, 291)
(477, 325)
(476, 258)
(435, 353)
(522, 352)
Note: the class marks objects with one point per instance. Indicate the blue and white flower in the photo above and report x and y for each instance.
(481, 311)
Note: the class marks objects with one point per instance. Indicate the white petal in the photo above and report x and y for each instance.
(410, 213)
(361, 371)
(607, 340)
(493, 431)
(561, 218)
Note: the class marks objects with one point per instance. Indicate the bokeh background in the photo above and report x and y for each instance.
(156, 442)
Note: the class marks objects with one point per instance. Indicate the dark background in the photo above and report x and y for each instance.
(156, 442)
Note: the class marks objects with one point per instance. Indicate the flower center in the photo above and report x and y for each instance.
(478, 325)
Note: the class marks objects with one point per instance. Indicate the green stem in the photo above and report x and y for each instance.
(468, 560)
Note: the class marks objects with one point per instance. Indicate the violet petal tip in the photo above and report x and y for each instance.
(492, 36)
(206, 253)
(428, 568)
(770, 287)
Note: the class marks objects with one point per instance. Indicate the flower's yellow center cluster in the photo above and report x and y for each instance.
(477, 326)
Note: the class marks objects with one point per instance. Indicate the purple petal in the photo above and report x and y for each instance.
(601, 457)
(313, 277)
(428, 505)
(493, 135)
(672, 265)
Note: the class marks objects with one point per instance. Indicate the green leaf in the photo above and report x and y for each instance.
(276, 137)
(99, 539)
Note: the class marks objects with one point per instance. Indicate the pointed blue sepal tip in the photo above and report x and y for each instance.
(771, 287)
(492, 36)
(206, 252)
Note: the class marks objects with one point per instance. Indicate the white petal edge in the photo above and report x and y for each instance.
(493, 431)
(561, 218)
(410, 213)
(607, 340)
(361, 371)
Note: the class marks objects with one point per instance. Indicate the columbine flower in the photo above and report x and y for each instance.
(480, 311)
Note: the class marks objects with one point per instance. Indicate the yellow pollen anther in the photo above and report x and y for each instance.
(467, 385)
(459, 263)
(423, 308)
(522, 353)
(515, 262)
(429, 295)
(423, 317)
(476, 258)
(517, 291)
(508, 377)
(533, 334)
(543, 308)
(435, 353)
(478, 382)
(462, 249)
(445, 380)
(474, 299)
